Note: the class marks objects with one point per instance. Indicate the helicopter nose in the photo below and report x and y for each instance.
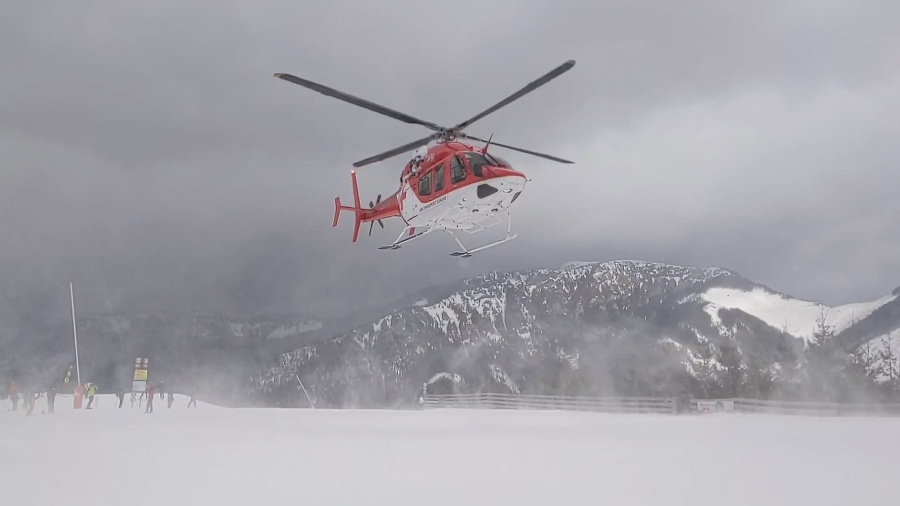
(517, 180)
(512, 184)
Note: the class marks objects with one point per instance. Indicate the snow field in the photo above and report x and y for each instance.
(799, 317)
(247, 457)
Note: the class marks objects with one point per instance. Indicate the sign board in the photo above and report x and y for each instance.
(141, 374)
(712, 406)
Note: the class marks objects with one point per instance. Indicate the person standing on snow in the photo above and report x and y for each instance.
(51, 399)
(150, 393)
(92, 391)
(29, 399)
(14, 395)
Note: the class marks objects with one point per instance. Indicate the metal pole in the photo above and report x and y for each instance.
(75, 335)
(305, 392)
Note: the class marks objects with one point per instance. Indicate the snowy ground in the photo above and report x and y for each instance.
(252, 457)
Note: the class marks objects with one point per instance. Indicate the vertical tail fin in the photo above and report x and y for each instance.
(357, 210)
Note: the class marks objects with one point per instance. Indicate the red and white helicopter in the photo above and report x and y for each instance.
(450, 186)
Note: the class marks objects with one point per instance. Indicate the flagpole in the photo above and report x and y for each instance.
(305, 392)
(75, 335)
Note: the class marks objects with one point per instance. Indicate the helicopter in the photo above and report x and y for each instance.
(450, 186)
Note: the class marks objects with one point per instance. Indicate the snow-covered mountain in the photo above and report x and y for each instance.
(625, 327)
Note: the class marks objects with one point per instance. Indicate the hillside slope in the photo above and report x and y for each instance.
(623, 327)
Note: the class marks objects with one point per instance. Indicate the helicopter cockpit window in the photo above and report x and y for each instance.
(457, 170)
(476, 161)
(497, 161)
(439, 178)
(425, 184)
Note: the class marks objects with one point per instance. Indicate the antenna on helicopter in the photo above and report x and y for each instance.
(484, 150)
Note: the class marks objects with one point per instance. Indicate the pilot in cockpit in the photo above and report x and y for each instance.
(416, 162)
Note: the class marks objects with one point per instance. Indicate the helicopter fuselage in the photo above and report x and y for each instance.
(470, 208)
(453, 187)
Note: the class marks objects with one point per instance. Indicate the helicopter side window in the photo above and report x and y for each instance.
(425, 184)
(439, 178)
(476, 161)
(457, 170)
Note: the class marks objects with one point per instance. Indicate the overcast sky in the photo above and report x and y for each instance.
(150, 155)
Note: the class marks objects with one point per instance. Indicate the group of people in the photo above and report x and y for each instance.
(151, 392)
(30, 397)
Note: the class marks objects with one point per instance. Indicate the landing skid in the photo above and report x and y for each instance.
(401, 240)
(466, 253)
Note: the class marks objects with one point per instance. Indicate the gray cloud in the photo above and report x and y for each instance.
(150, 155)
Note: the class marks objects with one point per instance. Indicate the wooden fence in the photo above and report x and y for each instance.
(570, 403)
(655, 405)
(816, 408)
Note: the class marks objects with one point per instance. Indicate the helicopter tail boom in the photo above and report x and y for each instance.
(356, 208)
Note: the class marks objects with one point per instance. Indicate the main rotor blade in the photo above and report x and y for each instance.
(396, 151)
(346, 97)
(535, 153)
(533, 85)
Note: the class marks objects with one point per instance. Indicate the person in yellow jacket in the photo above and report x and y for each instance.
(91, 392)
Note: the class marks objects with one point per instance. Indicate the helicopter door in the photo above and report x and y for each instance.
(439, 178)
(457, 170)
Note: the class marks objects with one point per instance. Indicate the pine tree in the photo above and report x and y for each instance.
(823, 332)
(706, 372)
(730, 357)
(890, 367)
(759, 380)
(823, 365)
(864, 361)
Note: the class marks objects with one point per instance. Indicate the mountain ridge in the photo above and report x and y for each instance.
(601, 327)
(512, 331)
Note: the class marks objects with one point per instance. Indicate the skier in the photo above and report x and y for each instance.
(193, 401)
